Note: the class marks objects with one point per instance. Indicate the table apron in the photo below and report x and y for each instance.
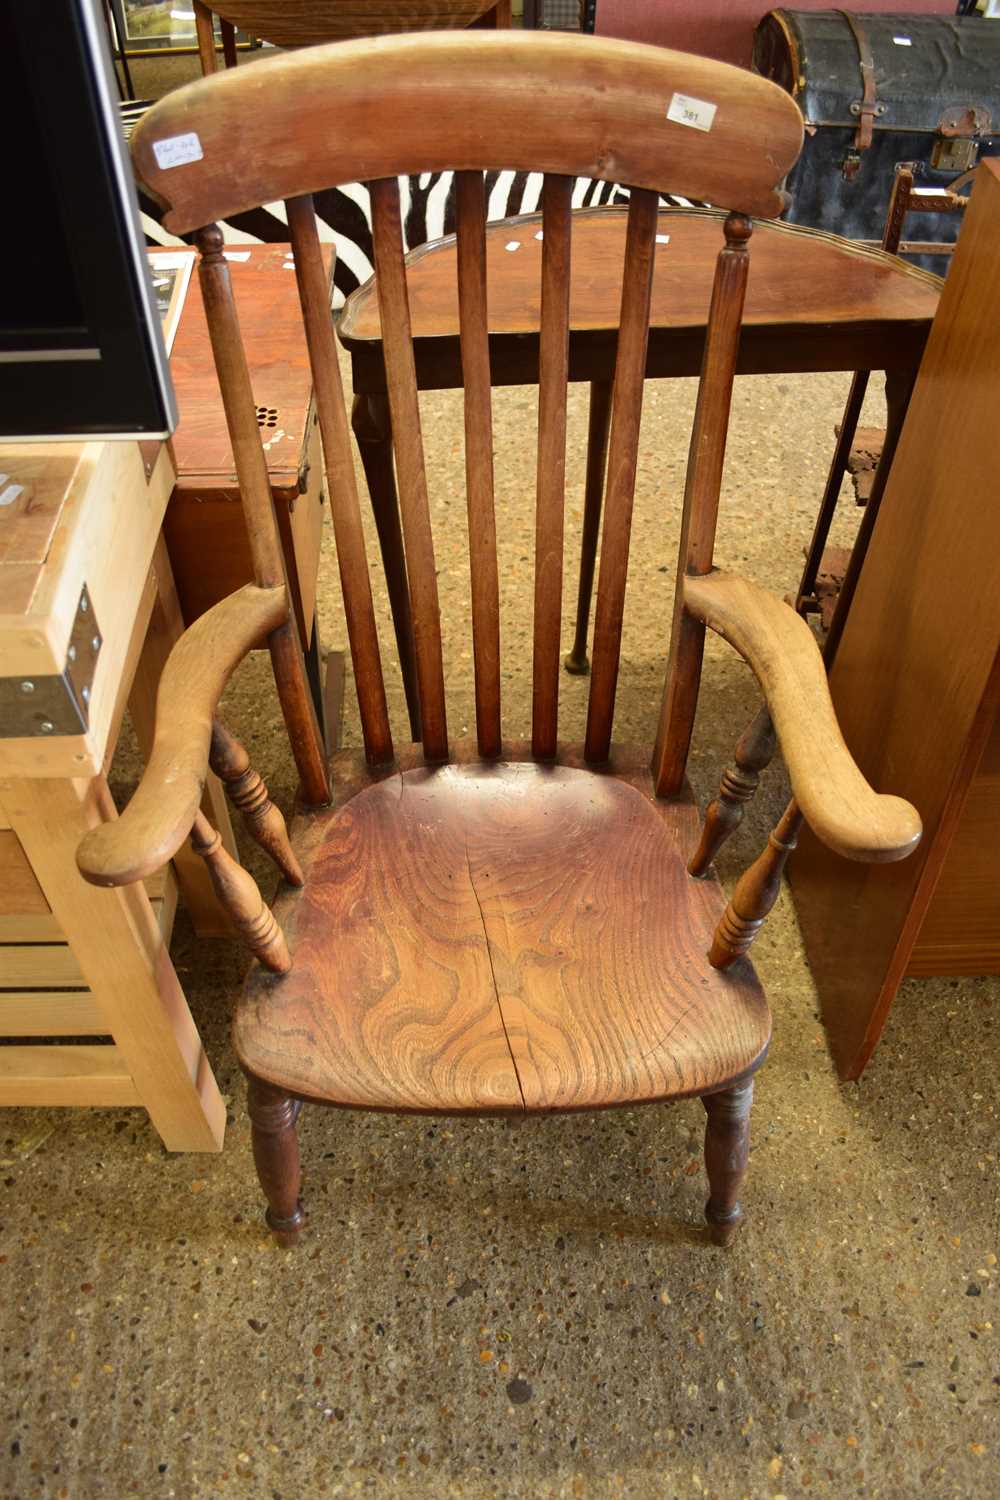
(673, 353)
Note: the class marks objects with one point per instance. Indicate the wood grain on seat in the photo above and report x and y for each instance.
(499, 936)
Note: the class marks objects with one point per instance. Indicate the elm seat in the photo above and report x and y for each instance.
(512, 936)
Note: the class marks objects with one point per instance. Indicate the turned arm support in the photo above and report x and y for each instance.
(160, 815)
(834, 797)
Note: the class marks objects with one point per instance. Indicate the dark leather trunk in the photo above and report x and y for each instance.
(932, 99)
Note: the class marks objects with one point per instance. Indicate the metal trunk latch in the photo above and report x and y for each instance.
(959, 132)
(56, 703)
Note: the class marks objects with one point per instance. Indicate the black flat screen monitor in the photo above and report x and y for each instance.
(81, 353)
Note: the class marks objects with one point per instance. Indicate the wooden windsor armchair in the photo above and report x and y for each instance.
(489, 928)
(307, 23)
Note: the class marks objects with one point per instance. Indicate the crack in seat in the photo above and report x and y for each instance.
(496, 937)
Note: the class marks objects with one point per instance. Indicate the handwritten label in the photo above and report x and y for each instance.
(663, 239)
(696, 113)
(178, 150)
(10, 494)
(903, 41)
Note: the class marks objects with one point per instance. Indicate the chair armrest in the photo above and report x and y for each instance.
(159, 817)
(835, 799)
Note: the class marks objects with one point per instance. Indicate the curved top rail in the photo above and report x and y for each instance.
(357, 111)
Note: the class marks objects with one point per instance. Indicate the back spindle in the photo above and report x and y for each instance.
(706, 457)
(340, 480)
(474, 335)
(258, 511)
(553, 374)
(404, 407)
(623, 452)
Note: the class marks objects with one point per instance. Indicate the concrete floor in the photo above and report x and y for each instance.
(479, 1310)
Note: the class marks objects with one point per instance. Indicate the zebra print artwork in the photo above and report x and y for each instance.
(344, 216)
(428, 204)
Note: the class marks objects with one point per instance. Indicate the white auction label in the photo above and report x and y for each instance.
(903, 41)
(697, 113)
(178, 150)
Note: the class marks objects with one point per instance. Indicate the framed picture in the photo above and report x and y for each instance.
(171, 272)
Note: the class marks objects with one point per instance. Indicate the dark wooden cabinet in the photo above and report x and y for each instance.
(204, 527)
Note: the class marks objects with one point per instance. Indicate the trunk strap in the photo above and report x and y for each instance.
(866, 107)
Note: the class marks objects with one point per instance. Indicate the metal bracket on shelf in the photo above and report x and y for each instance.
(57, 703)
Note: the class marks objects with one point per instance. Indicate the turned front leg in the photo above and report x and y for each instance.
(273, 1114)
(727, 1150)
(754, 753)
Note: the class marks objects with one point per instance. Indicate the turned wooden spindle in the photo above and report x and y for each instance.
(755, 893)
(248, 792)
(754, 753)
(237, 891)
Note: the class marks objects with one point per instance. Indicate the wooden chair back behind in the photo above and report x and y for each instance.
(372, 111)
